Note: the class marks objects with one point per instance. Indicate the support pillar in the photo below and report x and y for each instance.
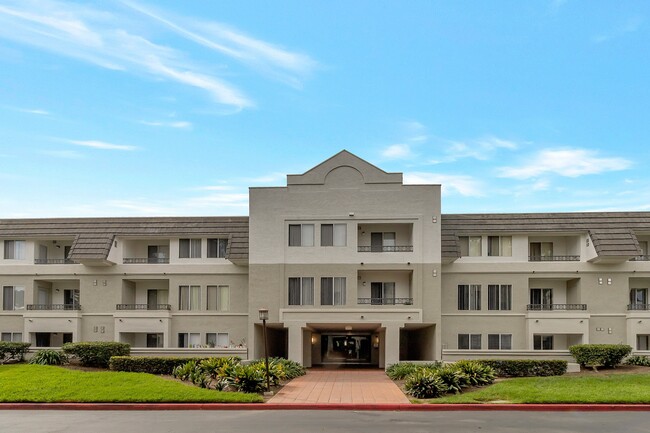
(295, 336)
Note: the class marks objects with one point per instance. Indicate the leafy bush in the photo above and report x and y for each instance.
(596, 355)
(477, 374)
(96, 353)
(276, 370)
(10, 351)
(453, 377)
(425, 383)
(292, 369)
(247, 378)
(184, 371)
(216, 368)
(49, 357)
(526, 367)
(643, 361)
(400, 370)
(146, 364)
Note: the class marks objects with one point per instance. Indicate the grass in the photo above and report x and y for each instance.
(606, 388)
(40, 383)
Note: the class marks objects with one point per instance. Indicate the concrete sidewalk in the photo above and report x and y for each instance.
(325, 386)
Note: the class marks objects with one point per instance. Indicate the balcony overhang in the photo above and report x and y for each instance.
(352, 315)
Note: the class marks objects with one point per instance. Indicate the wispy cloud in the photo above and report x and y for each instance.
(95, 144)
(565, 162)
(481, 148)
(631, 25)
(397, 151)
(34, 111)
(414, 134)
(180, 124)
(451, 184)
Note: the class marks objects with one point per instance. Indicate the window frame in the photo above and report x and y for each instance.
(633, 297)
(342, 291)
(470, 301)
(301, 291)
(220, 249)
(469, 246)
(502, 300)
(188, 305)
(13, 298)
(217, 336)
(501, 249)
(187, 337)
(302, 238)
(542, 340)
(471, 340)
(16, 250)
(500, 341)
(191, 248)
(324, 237)
(14, 337)
(216, 291)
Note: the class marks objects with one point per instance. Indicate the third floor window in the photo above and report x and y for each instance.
(333, 235)
(14, 250)
(217, 248)
(301, 235)
(189, 248)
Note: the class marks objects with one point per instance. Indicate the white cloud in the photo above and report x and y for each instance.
(34, 111)
(481, 148)
(397, 151)
(565, 162)
(460, 184)
(631, 25)
(174, 124)
(101, 145)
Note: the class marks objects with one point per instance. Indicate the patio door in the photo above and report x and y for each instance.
(382, 293)
(152, 300)
(541, 298)
(71, 298)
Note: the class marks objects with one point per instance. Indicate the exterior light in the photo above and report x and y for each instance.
(264, 314)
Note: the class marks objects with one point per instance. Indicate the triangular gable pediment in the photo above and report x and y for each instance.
(347, 165)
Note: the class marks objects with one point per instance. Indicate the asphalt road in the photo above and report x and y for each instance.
(52, 421)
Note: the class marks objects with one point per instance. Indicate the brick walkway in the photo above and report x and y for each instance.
(341, 386)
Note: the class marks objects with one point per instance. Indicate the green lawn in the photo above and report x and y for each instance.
(605, 388)
(38, 383)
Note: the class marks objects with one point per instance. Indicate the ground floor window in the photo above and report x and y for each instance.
(499, 341)
(189, 339)
(217, 339)
(542, 342)
(642, 342)
(16, 337)
(469, 341)
(155, 340)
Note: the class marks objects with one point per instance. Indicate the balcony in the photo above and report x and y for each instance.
(643, 258)
(638, 307)
(146, 260)
(53, 307)
(385, 249)
(570, 258)
(385, 301)
(54, 262)
(556, 307)
(140, 307)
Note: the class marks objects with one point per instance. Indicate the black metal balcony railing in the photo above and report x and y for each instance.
(638, 307)
(385, 301)
(132, 307)
(554, 258)
(54, 262)
(386, 249)
(556, 307)
(643, 258)
(50, 307)
(145, 260)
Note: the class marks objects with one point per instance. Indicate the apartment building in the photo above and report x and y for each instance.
(354, 266)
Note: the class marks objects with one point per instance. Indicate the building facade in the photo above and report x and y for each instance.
(354, 266)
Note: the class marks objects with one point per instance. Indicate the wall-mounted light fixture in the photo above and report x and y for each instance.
(313, 339)
(600, 280)
(94, 282)
(609, 281)
(351, 214)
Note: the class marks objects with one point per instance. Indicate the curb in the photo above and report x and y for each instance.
(340, 406)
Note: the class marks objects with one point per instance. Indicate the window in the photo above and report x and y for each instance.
(14, 250)
(639, 297)
(189, 248)
(470, 246)
(157, 253)
(642, 342)
(333, 235)
(13, 298)
(217, 339)
(469, 297)
(542, 342)
(301, 291)
(189, 339)
(301, 235)
(382, 241)
(16, 337)
(155, 340)
(469, 341)
(500, 246)
(499, 341)
(219, 298)
(541, 299)
(499, 297)
(382, 293)
(189, 298)
(332, 291)
(540, 250)
(217, 248)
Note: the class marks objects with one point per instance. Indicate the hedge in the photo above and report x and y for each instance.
(10, 351)
(597, 355)
(146, 364)
(96, 353)
(526, 367)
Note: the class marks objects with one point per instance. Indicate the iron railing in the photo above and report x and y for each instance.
(385, 301)
(54, 262)
(556, 307)
(145, 260)
(50, 307)
(638, 307)
(571, 258)
(385, 249)
(132, 307)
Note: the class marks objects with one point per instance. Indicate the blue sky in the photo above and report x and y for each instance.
(133, 108)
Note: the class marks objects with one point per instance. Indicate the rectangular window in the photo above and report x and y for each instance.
(14, 250)
(469, 297)
(155, 340)
(383, 241)
(217, 248)
(219, 298)
(301, 291)
(642, 342)
(332, 291)
(382, 293)
(541, 299)
(189, 248)
(158, 253)
(542, 342)
(13, 298)
(540, 251)
(189, 298)
(499, 341)
(639, 296)
(333, 235)
(500, 246)
(499, 297)
(16, 337)
(189, 339)
(301, 235)
(470, 246)
(469, 341)
(217, 339)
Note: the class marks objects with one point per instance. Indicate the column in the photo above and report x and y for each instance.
(391, 343)
(295, 341)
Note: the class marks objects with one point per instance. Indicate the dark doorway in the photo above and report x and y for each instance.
(42, 339)
(346, 349)
(67, 337)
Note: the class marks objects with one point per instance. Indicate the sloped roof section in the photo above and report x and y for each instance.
(613, 233)
(93, 236)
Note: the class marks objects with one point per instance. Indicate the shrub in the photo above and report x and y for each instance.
(247, 378)
(400, 370)
(276, 371)
(477, 374)
(96, 353)
(526, 367)
(596, 355)
(292, 369)
(49, 357)
(643, 361)
(425, 383)
(146, 364)
(453, 377)
(216, 368)
(184, 371)
(10, 351)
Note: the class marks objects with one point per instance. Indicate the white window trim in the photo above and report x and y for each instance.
(501, 335)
